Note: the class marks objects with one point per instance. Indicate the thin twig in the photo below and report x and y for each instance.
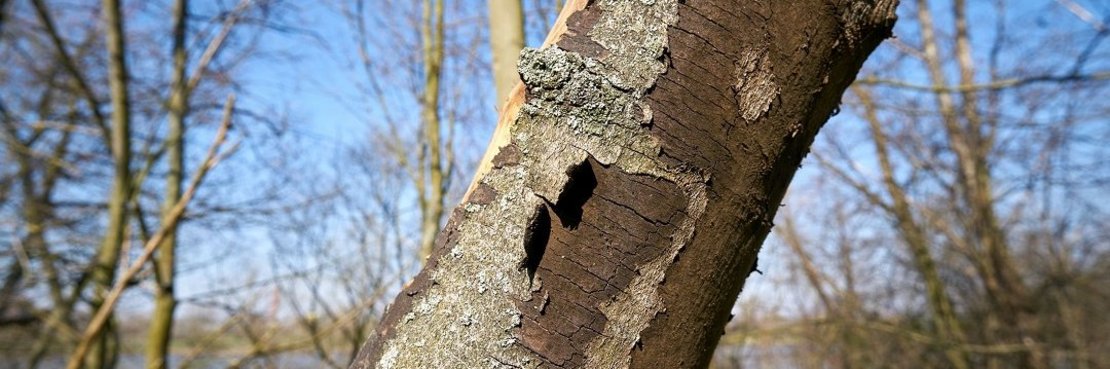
(215, 45)
(994, 85)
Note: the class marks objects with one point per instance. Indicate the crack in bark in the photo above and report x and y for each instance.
(536, 237)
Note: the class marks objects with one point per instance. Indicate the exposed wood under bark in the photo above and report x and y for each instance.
(655, 138)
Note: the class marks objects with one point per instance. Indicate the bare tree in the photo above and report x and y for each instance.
(165, 303)
(429, 164)
(65, 128)
(103, 352)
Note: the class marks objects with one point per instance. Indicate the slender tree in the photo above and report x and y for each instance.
(162, 318)
(102, 354)
(914, 236)
(431, 166)
(506, 39)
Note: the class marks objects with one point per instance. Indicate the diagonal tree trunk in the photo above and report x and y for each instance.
(629, 185)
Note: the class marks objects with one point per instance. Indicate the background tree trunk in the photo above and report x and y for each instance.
(103, 351)
(165, 303)
(945, 321)
(431, 196)
(506, 38)
(639, 168)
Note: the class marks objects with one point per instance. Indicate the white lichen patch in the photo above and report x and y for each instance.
(755, 83)
(466, 316)
(635, 33)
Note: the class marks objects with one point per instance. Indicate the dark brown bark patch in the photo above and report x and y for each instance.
(579, 188)
(483, 194)
(579, 25)
(625, 221)
(507, 156)
(536, 236)
(787, 64)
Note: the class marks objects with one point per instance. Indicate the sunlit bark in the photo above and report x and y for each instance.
(638, 167)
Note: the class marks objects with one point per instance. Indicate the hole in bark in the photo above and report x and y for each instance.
(575, 193)
(536, 236)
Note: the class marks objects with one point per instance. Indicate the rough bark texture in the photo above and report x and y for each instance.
(628, 193)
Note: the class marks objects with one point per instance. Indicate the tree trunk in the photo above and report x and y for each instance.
(165, 303)
(107, 260)
(431, 162)
(629, 185)
(506, 38)
(945, 321)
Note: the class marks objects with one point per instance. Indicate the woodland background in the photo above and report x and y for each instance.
(953, 214)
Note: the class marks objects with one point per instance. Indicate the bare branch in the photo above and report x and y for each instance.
(994, 85)
(100, 318)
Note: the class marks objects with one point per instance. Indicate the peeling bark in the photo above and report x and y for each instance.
(630, 185)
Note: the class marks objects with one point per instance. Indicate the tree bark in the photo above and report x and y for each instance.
(629, 185)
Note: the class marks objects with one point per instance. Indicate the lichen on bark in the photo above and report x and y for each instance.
(755, 83)
(577, 108)
(481, 300)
